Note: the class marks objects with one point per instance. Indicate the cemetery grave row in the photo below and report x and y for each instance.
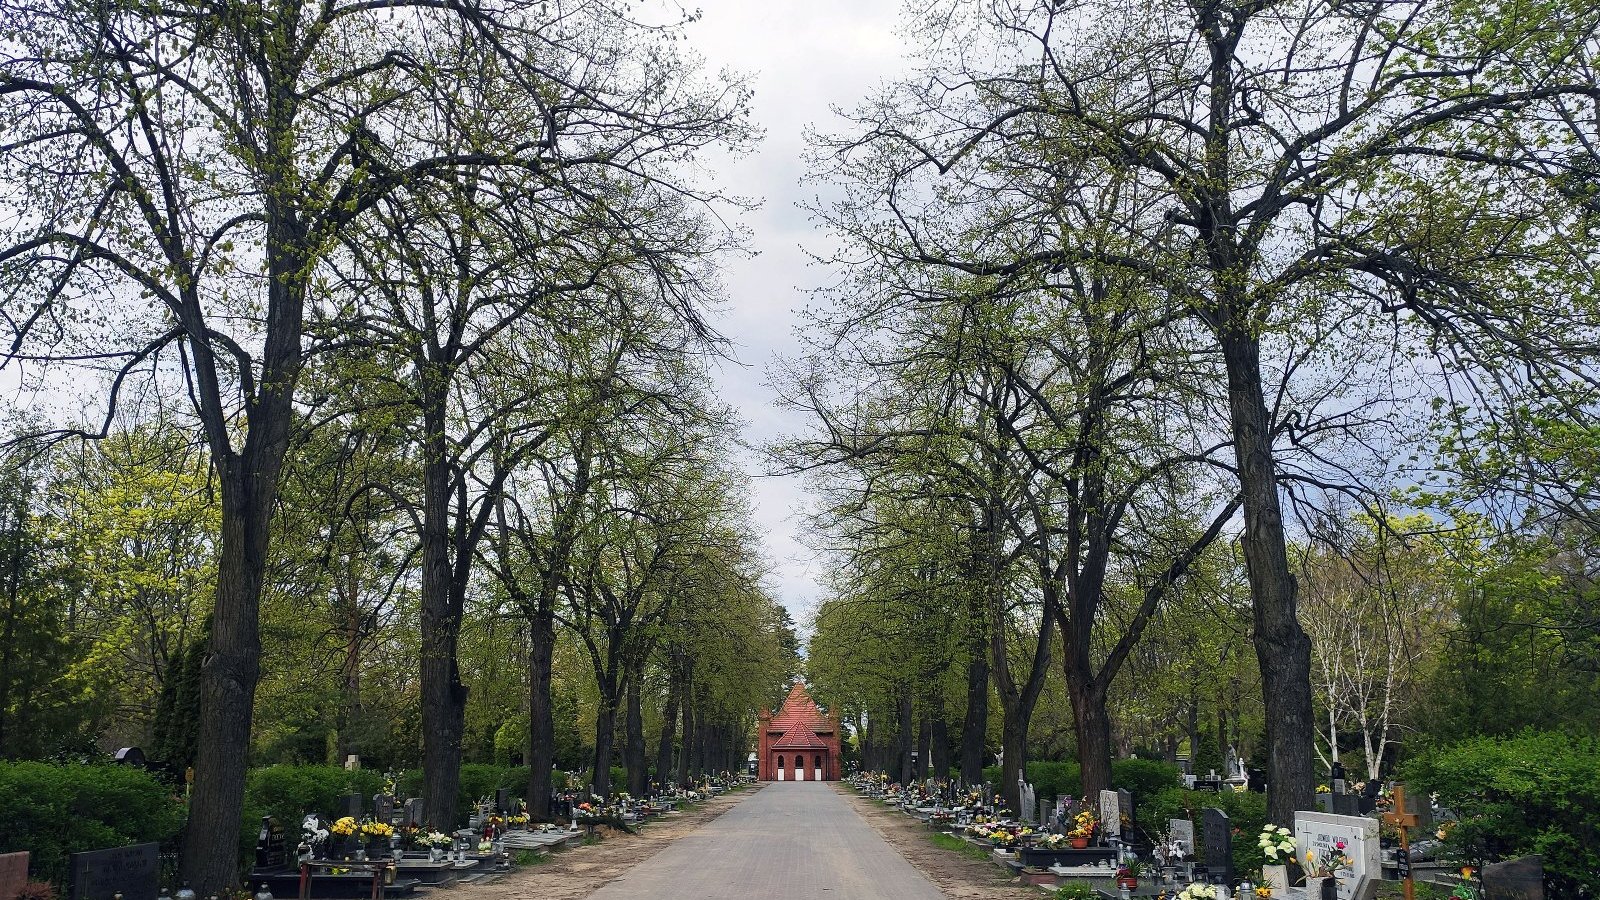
(1336, 852)
(375, 847)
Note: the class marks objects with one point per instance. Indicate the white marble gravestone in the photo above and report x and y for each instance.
(1181, 831)
(1318, 832)
(1111, 813)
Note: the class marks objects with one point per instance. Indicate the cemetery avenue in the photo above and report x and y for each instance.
(908, 449)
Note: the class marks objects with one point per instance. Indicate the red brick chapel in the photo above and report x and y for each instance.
(801, 743)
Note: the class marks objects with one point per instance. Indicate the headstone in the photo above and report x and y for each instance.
(1044, 812)
(412, 817)
(271, 852)
(13, 873)
(1027, 800)
(1219, 844)
(1125, 809)
(1514, 879)
(1257, 782)
(383, 808)
(102, 874)
(1336, 781)
(352, 762)
(1184, 765)
(350, 805)
(1110, 813)
(502, 800)
(1317, 833)
(1345, 804)
(1181, 831)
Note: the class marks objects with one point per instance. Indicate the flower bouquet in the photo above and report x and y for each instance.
(378, 836)
(1083, 828)
(1198, 891)
(340, 835)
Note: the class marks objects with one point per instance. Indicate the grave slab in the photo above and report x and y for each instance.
(131, 871)
(1318, 832)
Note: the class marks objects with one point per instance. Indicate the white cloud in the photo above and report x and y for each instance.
(807, 57)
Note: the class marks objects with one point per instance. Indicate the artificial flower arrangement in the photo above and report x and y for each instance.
(377, 830)
(344, 827)
(1198, 891)
(1084, 824)
(519, 820)
(1053, 842)
(1277, 841)
(1325, 864)
(1264, 891)
(439, 839)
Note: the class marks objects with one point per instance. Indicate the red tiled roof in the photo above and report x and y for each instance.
(800, 738)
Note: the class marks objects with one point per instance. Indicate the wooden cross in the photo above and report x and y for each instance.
(1403, 819)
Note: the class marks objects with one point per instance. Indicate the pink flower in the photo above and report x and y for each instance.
(1338, 845)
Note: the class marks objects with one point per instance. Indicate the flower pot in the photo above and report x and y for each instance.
(1130, 882)
(436, 854)
(1276, 877)
(1323, 888)
(1079, 843)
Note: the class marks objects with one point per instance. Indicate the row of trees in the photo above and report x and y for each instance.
(417, 291)
(1135, 279)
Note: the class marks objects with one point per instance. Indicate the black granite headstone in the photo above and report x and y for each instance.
(350, 805)
(412, 817)
(1219, 844)
(1345, 804)
(383, 808)
(1125, 806)
(271, 853)
(502, 801)
(1514, 879)
(102, 874)
(1256, 781)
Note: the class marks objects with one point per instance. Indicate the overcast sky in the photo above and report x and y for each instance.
(806, 57)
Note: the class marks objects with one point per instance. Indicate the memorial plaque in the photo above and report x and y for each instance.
(13, 873)
(102, 874)
(1219, 843)
(502, 801)
(1181, 831)
(1125, 810)
(412, 817)
(383, 808)
(271, 853)
(351, 805)
(1318, 833)
(1110, 813)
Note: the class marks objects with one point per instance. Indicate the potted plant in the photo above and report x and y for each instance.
(1083, 828)
(1128, 875)
(340, 834)
(1277, 845)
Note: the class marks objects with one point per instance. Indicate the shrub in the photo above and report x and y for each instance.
(1247, 813)
(57, 810)
(1076, 890)
(289, 792)
(1049, 779)
(36, 890)
(1535, 792)
(1143, 778)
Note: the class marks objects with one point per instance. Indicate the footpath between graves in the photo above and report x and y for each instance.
(959, 876)
(580, 871)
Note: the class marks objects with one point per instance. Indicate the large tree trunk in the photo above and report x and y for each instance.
(1093, 731)
(1014, 750)
(684, 762)
(975, 727)
(904, 772)
(444, 697)
(228, 679)
(633, 750)
(605, 732)
(1282, 648)
(541, 715)
(940, 738)
(669, 725)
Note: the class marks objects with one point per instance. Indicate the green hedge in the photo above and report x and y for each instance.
(1536, 792)
(1139, 777)
(54, 810)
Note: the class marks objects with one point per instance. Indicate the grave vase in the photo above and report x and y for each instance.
(1276, 877)
(1079, 843)
(436, 854)
(1323, 888)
